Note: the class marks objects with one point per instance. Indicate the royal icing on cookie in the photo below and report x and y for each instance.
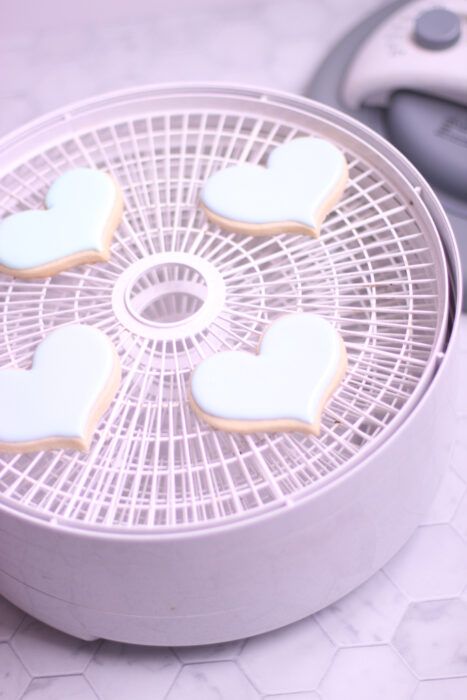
(303, 180)
(301, 359)
(56, 403)
(84, 207)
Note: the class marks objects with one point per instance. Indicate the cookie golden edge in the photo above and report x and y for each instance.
(83, 443)
(83, 256)
(283, 425)
(276, 227)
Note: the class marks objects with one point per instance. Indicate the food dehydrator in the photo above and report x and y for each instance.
(167, 531)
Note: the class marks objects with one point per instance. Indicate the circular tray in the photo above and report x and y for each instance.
(177, 289)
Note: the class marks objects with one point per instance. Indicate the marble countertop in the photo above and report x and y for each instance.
(270, 43)
(400, 636)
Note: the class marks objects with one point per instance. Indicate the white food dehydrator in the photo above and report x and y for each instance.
(166, 531)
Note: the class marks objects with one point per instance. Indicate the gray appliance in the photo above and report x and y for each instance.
(402, 71)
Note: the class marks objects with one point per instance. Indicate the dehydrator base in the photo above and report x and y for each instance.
(296, 562)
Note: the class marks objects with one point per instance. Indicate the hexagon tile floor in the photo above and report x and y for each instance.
(400, 636)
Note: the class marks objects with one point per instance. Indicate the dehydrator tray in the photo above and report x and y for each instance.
(178, 289)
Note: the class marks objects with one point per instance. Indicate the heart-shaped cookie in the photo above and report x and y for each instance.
(303, 181)
(301, 360)
(84, 207)
(57, 403)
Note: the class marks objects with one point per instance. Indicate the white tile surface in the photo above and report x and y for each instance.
(117, 669)
(313, 695)
(449, 495)
(293, 658)
(10, 618)
(432, 638)
(432, 564)
(368, 673)
(60, 688)
(369, 614)
(447, 689)
(209, 652)
(459, 452)
(47, 652)
(13, 676)
(212, 681)
(261, 42)
(459, 521)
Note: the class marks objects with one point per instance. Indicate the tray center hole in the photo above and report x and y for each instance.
(168, 293)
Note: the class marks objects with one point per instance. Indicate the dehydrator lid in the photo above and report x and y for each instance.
(177, 289)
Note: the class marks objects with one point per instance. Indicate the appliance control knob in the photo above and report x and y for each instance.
(437, 29)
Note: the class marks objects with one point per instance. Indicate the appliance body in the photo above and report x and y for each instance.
(245, 579)
(260, 568)
(387, 73)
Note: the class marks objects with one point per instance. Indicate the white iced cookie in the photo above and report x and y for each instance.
(303, 181)
(83, 209)
(301, 359)
(57, 403)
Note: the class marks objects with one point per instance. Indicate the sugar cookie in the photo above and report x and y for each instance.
(57, 403)
(301, 359)
(303, 181)
(83, 209)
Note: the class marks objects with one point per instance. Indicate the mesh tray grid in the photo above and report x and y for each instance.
(152, 464)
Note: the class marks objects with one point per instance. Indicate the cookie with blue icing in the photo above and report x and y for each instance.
(83, 209)
(58, 402)
(300, 361)
(304, 179)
